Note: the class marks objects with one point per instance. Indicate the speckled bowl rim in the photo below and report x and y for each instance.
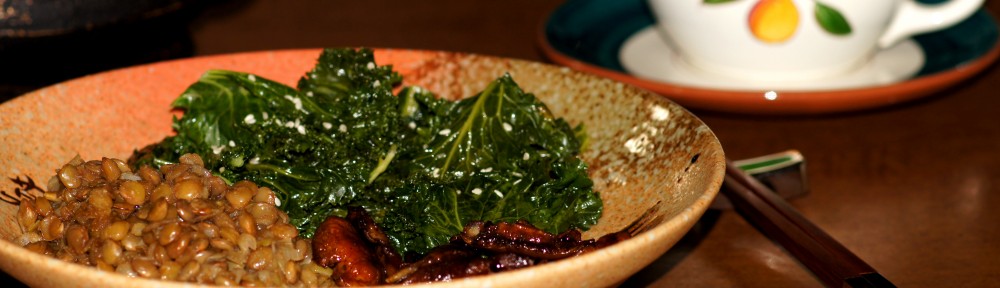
(660, 238)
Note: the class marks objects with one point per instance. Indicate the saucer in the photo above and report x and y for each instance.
(595, 35)
(647, 55)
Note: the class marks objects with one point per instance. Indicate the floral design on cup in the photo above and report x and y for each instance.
(776, 21)
(785, 43)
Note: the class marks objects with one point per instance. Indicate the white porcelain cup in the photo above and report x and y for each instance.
(795, 39)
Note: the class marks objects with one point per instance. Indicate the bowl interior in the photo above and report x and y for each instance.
(644, 150)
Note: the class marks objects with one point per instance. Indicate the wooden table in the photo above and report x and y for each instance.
(914, 189)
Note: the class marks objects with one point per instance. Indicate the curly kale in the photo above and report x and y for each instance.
(422, 166)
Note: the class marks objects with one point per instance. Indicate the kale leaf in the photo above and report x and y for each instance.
(499, 155)
(422, 166)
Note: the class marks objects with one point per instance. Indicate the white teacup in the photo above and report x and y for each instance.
(795, 39)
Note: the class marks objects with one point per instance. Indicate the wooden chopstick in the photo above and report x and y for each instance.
(831, 262)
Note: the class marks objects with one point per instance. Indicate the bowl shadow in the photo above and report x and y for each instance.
(666, 262)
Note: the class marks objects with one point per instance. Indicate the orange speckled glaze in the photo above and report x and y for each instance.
(642, 150)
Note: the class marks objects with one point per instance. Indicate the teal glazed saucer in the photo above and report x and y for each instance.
(596, 36)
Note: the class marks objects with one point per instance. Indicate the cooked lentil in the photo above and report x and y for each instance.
(178, 223)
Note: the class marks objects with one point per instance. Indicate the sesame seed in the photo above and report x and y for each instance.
(309, 93)
(498, 193)
(296, 101)
(342, 128)
(327, 125)
(487, 170)
(477, 191)
(526, 156)
(252, 78)
(412, 125)
(232, 144)
(250, 119)
(255, 160)
(507, 127)
(265, 115)
(371, 65)
(218, 149)
(445, 132)
(222, 169)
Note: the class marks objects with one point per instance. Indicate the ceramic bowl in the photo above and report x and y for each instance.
(644, 151)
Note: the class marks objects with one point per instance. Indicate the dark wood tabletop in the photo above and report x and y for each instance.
(913, 188)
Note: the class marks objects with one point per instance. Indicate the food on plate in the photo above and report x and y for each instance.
(182, 223)
(422, 166)
(391, 188)
(358, 252)
(177, 223)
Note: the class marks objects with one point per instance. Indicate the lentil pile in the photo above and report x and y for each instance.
(178, 223)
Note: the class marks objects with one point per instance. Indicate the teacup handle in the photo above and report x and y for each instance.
(912, 18)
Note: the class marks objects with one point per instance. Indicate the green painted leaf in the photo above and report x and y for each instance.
(831, 20)
(717, 1)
